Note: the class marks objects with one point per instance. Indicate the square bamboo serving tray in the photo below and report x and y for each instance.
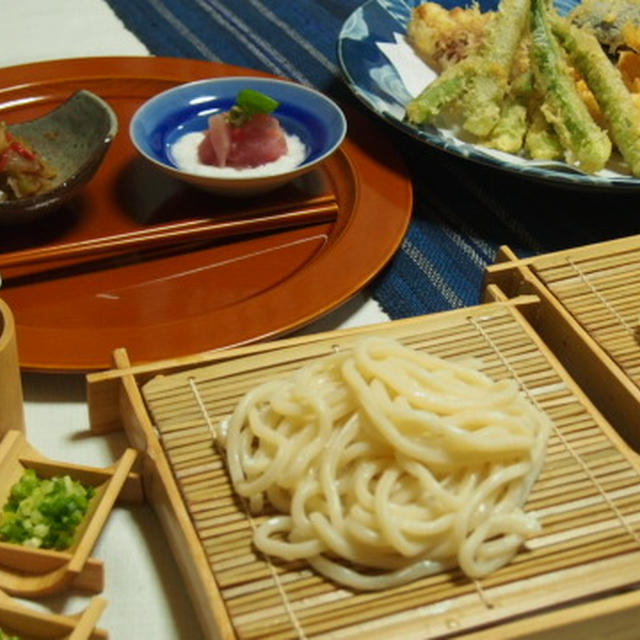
(579, 576)
(589, 316)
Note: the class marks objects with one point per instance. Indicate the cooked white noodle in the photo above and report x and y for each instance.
(388, 464)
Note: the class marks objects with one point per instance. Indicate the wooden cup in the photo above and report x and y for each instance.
(11, 406)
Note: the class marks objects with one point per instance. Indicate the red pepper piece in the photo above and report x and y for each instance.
(22, 150)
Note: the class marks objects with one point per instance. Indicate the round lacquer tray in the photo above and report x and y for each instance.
(169, 302)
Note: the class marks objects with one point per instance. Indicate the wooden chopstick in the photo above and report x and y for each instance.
(320, 210)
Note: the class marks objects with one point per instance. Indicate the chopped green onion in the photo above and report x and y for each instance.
(44, 512)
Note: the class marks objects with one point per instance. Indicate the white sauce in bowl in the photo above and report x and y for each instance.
(184, 153)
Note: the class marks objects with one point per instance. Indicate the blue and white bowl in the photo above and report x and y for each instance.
(161, 121)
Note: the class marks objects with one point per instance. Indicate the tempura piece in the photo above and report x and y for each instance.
(481, 79)
(586, 144)
(541, 141)
(589, 100)
(629, 67)
(615, 23)
(487, 88)
(444, 90)
(620, 111)
(508, 134)
(443, 37)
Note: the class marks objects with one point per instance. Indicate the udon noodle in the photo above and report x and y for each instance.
(387, 464)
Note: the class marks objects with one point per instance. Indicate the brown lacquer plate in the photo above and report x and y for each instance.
(170, 302)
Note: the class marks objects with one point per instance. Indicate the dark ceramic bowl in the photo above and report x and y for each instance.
(73, 138)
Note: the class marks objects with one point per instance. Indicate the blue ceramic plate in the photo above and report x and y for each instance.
(375, 81)
(162, 120)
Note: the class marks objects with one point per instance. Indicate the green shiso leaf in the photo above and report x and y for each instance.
(256, 102)
(249, 103)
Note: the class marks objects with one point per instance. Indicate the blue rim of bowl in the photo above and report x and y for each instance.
(285, 113)
(373, 80)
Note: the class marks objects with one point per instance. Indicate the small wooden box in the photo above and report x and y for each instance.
(576, 579)
(589, 316)
(32, 572)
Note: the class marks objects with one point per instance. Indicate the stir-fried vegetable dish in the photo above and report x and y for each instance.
(23, 172)
(525, 80)
(44, 512)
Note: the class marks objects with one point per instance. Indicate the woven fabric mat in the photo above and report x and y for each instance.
(463, 211)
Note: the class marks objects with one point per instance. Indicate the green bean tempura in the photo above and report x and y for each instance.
(568, 100)
(587, 145)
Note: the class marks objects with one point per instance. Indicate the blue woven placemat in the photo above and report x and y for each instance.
(463, 212)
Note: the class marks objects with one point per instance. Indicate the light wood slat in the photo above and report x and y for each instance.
(613, 319)
(589, 514)
(616, 327)
(582, 284)
(622, 296)
(588, 495)
(589, 261)
(227, 546)
(307, 590)
(259, 587)
(401, 599)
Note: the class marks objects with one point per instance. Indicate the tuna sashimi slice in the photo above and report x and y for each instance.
(258, 141)
(214, 148)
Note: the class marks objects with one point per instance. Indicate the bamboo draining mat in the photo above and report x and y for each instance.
(595, 290)
(588, 497)
(603, 293)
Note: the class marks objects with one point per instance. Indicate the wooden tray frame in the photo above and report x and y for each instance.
(16, 617)
(116, 401)
(588, 362)
(30, 572)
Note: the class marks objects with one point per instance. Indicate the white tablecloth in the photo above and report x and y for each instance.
(144, 589)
